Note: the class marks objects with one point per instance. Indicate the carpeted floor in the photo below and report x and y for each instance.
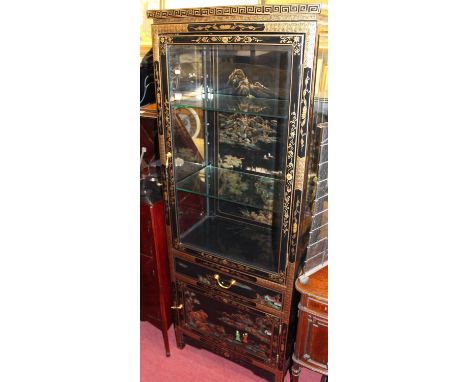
(191, 364)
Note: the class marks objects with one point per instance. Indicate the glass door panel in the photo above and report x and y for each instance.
(229, 110)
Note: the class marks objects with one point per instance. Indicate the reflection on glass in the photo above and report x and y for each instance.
(229, 108)
(233, 186)
(232, 103)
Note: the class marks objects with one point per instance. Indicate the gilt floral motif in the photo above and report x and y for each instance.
(289, 170)
(295, 41)
(163, 41)
(227, 39)
(304, 110)
(225, 27)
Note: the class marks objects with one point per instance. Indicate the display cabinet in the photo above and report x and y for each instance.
(235, 95)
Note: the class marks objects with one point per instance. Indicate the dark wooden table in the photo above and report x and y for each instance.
(311, 348)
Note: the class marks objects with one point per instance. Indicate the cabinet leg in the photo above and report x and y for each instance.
(294, 372)
(166, 342)
(165, 325)
(179, 339)
(279, 376)
(324, 378)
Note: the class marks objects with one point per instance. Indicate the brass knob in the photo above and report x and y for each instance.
(180, 306)
(221, 283)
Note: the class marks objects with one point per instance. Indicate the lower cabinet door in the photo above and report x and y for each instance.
(315, 349)
(229, 324)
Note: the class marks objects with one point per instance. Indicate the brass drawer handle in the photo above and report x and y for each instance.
(221, 284)
(177, 307)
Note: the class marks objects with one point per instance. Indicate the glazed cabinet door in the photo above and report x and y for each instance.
(233, 113)
(229, 325)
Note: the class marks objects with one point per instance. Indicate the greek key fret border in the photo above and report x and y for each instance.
(234, 10)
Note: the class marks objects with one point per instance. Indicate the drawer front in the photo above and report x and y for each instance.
(257, 295)
(314, 305)
(229, 324)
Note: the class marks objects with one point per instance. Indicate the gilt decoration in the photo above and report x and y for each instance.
(235, 27)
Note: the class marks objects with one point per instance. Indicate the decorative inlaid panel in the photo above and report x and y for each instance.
(241, 328)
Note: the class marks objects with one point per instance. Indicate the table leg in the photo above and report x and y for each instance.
(294, 372)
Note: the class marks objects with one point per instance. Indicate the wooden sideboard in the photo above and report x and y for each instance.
(311, 349)
(155, 288)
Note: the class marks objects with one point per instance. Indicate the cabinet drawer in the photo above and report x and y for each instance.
(257, 295)
(229, 324)
(316, 306)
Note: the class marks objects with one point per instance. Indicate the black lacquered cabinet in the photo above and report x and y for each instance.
(235, 87)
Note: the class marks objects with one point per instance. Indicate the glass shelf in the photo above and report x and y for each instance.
(265, 107)
(234, 186)
(243, 242)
